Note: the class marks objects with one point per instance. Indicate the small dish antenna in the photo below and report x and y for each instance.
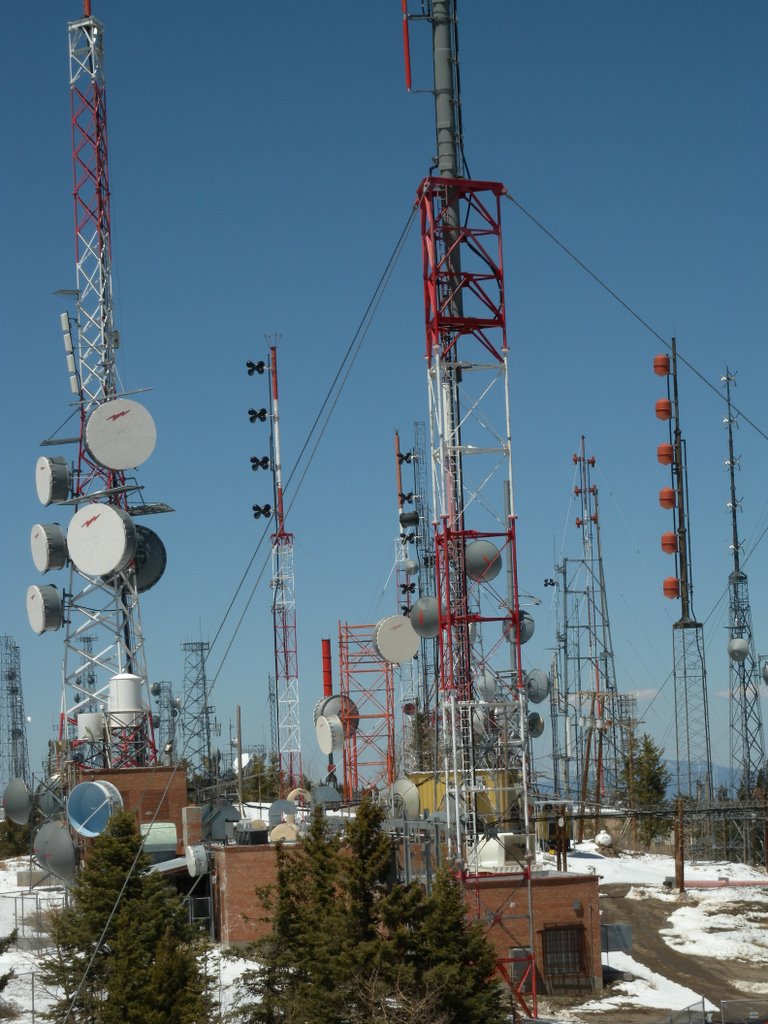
(405, 799)
(52, 480)
(280, 807)
(537, 685)
(45, 609)
(482, 561)
(424, 617)
(120, 434)
(535, 724)
(17, 801)
(341, 706)
(49, 546)
(197, 860)
(329, 733)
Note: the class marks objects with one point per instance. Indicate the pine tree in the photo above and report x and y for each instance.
(647, 781)
(107, 943)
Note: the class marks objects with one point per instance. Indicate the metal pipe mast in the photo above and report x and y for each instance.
(104, 607)
(284, 613)
(693, 748)
(747, 746)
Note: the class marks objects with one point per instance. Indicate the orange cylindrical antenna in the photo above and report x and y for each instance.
(669, 543)
(406, 46)
(667, 497)
(664, 409)
(661, 365)
(327, 671)
(665, 453)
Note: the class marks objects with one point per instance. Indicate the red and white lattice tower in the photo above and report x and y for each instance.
(483, 709)
(367, 712)
(284, 614)
(105, 719)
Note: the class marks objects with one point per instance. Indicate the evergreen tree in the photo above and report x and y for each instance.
(647, 778)
(348, 946)
(122, 924)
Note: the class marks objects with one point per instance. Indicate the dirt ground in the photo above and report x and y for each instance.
(715, 979)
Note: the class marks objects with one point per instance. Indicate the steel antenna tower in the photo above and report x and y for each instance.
(284, 612)
(14, 755)
(471, 450)
(197, 714)
(747, 747)
(603, 755)
(694, 753)
(105, 718)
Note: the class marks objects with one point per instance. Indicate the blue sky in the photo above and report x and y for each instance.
(264, 159)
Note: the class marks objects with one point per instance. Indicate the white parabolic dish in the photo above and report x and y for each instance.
(49, 546)
(52, 479)
(396, 640)
(44, 608)
(329, 734)
(101, 539)
(120, 434)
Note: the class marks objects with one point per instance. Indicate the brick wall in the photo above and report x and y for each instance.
(147, 790)
(501, 901)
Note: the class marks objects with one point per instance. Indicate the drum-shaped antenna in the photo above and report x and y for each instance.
(485, 685)
(738, 649)
(52, 480)
(17, 801)
(45, 609)
(60, 854)
(341, 706)
(91, 805)
(329, 733)
(120, 434)
(101, 539)
(395, 640)
(197, 860)
(482, 561)
(49, 546)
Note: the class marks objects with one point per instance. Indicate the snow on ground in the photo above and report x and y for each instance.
(729, 922)
(636, 868)
(648, 989)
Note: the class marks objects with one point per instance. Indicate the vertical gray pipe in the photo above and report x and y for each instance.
(445, 99)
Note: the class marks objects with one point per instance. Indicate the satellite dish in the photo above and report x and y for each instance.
(527, 627)
(102, 539)
(537, 685)
(326, 795)
(197, 860)
(41, 839)
(49, 546)
(341, 706)
(280, 807)
(49, 797)
(424, 617)
(120, 434)
(738, 649)
(405, 799)
(52, 480)
(482, 561)
(535, 724)
(17, 801)
(45, 610)
(151, 558)
(395, 639)
(60, 854)
(91, 805)
(485, 685)
(329, 733)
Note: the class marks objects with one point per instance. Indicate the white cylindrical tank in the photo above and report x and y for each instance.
(125, 708)
(90, 726)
